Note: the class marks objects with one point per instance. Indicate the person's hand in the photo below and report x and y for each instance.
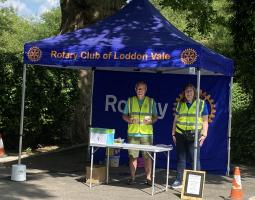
(131, 120)
(134, 120)
(147, 121)
(174, 139)
(201, 140)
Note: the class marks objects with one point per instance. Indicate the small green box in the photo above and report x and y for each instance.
(102, 135)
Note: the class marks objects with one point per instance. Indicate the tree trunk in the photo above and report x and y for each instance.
(77, 14)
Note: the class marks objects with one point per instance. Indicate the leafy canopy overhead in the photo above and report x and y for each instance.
(199, 14)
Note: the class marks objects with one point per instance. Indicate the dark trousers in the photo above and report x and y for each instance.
(185, 152)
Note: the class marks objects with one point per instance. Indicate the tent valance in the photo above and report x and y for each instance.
(127, 39)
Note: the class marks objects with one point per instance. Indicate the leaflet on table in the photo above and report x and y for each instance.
(144, 147)
(164, 146)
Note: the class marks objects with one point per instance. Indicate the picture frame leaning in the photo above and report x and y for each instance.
(193, 185)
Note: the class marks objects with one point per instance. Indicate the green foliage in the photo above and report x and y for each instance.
(243, 28)
(10, 94)
(240, 99)
(243, 127)
(220, 38)
(50, 102)
(5, 22)
(17, 32)
(199, 14)
(217, 36)
(177, 18)
(50, 94)
(50, 24)
(243, 136)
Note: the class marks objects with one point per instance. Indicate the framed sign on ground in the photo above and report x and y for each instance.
(193, 185)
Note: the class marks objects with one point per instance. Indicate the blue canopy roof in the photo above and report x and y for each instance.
(138, 36)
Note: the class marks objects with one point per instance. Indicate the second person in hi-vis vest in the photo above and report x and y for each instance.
(140, 113)
(183, 131)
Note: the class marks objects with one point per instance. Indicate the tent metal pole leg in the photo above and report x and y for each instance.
(22, 112)
(91, 111)
(91, 98)
(197, 111)
(229, 124)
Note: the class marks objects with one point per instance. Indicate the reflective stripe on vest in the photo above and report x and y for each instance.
(139, 113)
(186, 119)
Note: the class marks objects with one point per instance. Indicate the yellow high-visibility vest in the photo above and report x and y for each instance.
(137, 112)
(186, 118)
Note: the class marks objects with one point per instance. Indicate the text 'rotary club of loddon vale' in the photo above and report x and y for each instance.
(110, 55)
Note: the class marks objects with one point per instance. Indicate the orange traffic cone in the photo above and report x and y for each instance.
(236, 191)
(2, 152)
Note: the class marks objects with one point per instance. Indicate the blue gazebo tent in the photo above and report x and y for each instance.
(137, 38)
(127, 32)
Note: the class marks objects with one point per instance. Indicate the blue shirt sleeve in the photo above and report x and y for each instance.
(205, 110)
(126, 111)
(154, 109)
(176, 112)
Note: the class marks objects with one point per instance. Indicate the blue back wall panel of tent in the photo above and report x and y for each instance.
(111, 90)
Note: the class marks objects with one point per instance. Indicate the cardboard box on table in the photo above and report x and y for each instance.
(102, 135)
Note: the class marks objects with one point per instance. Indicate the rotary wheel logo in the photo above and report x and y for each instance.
(34, 54)
(189, 56)
(208, 100)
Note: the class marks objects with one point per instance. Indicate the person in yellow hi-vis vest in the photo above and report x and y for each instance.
(183, 131)
(140, 113)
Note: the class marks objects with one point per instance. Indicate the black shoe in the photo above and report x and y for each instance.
(131, 182)
(148, 182)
